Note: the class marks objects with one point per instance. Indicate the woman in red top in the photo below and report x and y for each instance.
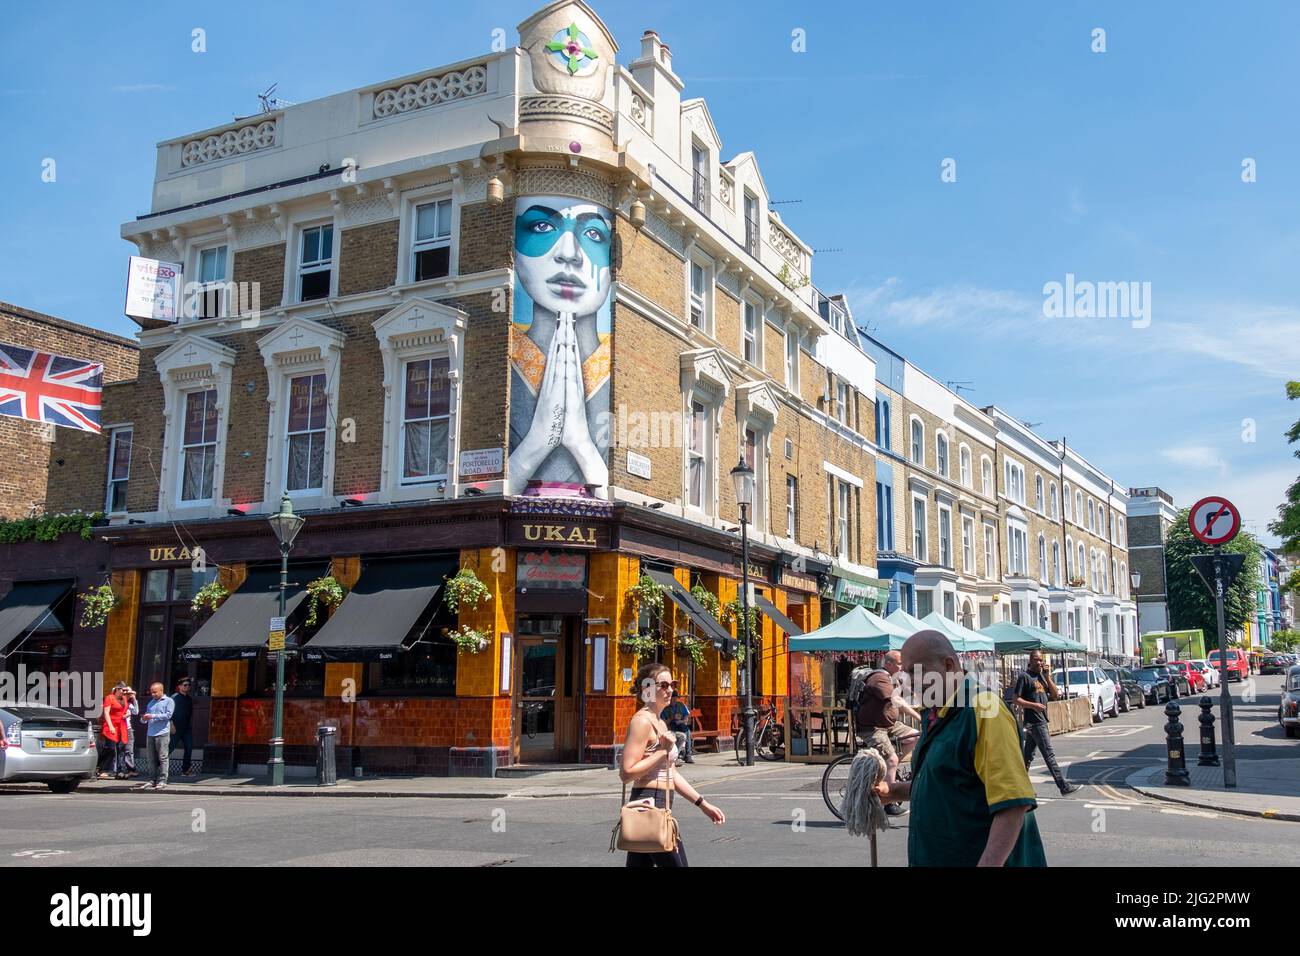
(115, 732)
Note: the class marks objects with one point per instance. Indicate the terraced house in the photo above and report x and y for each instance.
(519, 315)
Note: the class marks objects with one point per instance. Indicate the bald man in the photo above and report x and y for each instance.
(972, 802)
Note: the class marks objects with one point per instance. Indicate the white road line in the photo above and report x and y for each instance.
(1190, 813)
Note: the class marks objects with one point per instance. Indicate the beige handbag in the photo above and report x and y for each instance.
(643, 827)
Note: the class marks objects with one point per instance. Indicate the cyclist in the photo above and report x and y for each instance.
(878, 723)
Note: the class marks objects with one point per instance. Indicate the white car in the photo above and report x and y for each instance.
(1212, 678)
(1090, 682)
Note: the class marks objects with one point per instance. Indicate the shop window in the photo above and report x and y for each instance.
(428, 666)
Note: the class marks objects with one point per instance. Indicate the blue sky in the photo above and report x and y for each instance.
(1115, 166)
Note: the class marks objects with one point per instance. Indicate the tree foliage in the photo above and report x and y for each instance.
(1191, 605)
(1287, 525)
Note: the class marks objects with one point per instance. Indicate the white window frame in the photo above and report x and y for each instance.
(759, 510)
(941, 462)
(706, 455)
(1078, 508)
(221, 284)
(1055, 501)
(916, 446)
(113, 434)
(193, 363)
(841, 400)
(1042, 559)
(1040, 498)
(791, 358)
(420, 480)
(946, 556)
(298, 348)
(986, 477)
(756, 340)
(421, 329)
(1056, 563)
(791, 506)
(297, 268)
(968, 545)
(1014, 476)
(844, 520)
(413, 246)
(323, 431)
(706, 301)
(963, 465)
(184, 448)
(991, 571)
(920, 530)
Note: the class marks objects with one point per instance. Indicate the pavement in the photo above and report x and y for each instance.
(1265, 788)
(708, 770)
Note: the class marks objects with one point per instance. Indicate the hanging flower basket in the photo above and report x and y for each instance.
(643, 645)
(469, 640)
(731, 614)
(209, 596)
(96, 604)
(325, 591)
(647, 594)
(694, 648)
(465, 588)
(707, 600)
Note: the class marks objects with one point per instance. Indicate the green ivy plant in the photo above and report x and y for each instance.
(469, 640)
(791, 279)
(96, 604)
(465, 588)
(731, 614)
(209, 596)
(325, 591)
(49, 527)
(694, 648)
(641, 644)
(647, 594)
(707, 600)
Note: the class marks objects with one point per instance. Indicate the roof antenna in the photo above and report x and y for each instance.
(270, 102)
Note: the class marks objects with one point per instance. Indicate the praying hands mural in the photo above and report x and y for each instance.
(560, 352)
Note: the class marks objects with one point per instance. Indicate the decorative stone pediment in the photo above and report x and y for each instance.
(756, 400)
(421, 324)
(705, 368)
(300, 341)
(193, 358)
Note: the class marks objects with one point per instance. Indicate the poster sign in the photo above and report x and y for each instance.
(153, 289)
(551, 570)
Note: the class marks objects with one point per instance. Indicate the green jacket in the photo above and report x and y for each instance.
(968, 766)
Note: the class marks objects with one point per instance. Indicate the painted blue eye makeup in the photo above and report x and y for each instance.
(538, 228)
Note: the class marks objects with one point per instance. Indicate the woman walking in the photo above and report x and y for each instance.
(649, 755)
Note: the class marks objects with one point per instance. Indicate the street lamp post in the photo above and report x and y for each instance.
(743, 477)
(1135, 579)
(286, 526)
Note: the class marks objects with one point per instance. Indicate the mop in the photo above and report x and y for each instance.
(863, 812)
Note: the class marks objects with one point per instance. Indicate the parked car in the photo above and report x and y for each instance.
(1181, 686)
(1131, 693)
(1155, 684)
(1274, 664)
(1195, 682)
(1234, 667)
(46, 745)
(1090, 682)
(1209, 673)
(1288, 712)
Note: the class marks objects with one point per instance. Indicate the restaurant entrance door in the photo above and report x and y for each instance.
(545, 699)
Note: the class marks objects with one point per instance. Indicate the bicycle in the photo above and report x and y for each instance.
(769, 736)
(835, 778)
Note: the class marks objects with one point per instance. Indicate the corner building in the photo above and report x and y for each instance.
(514, 314)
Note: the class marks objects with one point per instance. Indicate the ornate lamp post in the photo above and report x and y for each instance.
(743, 477)
(1135, 579)
(286, 526)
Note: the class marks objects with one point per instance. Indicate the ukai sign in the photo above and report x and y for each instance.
(558, 534)
(173, 553)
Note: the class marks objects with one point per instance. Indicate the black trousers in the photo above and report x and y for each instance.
(677, 858)
(1036, 736)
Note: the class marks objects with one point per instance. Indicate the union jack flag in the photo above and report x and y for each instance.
(43, 387)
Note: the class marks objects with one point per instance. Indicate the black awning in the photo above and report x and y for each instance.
(377, 615)
(239, 628)
(776, 617)
(29, 606)
(706, 622)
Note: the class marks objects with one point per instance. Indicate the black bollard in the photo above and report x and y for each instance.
(1176, 774)
(1209, 756)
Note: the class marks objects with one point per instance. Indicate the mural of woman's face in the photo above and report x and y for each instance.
(562, 253)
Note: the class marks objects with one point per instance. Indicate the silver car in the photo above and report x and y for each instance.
(46, 745)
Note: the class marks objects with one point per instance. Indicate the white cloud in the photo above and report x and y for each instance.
(1196, 456)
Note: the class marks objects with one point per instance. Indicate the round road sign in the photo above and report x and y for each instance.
(1214, 520)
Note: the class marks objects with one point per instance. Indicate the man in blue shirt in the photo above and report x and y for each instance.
(159, 720)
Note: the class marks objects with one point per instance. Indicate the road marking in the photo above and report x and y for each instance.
(1190, 813)
(1108, 806)
(1114, 731)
